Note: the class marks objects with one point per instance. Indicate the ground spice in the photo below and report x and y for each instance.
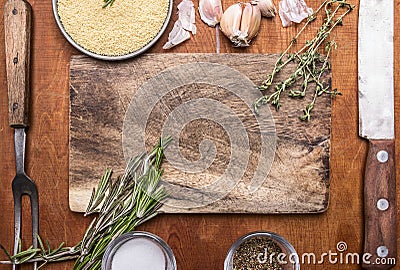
(247, 255)
(123, 28)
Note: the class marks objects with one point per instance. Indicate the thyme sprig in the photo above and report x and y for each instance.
(311, 65)
(121, 204)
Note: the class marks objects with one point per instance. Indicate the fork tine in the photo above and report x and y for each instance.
(30, 190)
(35, 219)
(17, 221)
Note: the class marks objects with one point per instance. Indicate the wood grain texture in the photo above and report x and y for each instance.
(18, 28)
(108, 100)
(380, 224)
(199, 241)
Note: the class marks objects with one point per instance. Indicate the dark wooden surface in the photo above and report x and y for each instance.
(287, 164)
(199, 241)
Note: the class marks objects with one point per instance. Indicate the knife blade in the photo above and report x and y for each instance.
(376, 123)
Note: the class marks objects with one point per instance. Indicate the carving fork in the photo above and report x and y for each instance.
(17, 28)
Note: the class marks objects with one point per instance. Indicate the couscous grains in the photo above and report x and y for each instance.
(123, 28)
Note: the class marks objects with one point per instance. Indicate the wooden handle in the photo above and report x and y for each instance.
(380, 206)
(17, 28)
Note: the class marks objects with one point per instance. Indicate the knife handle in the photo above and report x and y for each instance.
(17, 29)
(380, 206)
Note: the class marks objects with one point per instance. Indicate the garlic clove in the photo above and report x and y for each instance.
(210, 11)
(251, 21)
(246, 22)
(230, 20)
(250, 25)
(256, 22)
(267, 7)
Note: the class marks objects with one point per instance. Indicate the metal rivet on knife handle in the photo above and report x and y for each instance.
(382, 156)
(382, 251)
(382, 204)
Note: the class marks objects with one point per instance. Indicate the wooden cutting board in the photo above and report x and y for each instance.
(288, 158)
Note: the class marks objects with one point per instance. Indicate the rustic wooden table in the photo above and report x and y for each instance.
(199, 241)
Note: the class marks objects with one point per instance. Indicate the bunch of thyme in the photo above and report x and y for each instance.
(311, 65)
(121, 205)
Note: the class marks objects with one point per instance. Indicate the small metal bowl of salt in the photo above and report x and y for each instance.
(138, 250)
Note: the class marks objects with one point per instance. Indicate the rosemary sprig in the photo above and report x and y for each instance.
(310, 64)
(121, 205)
(43, 254)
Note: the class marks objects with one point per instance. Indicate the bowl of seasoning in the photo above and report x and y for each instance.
(118, 30)
(137, 251)
(262, 250)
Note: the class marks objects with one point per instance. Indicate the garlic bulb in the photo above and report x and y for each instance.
(293, 11)
(241, 23)
(210, 11)
(267, 7)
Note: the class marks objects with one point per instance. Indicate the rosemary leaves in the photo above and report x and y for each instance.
(121, 204)
(128, 202)
(310, 63)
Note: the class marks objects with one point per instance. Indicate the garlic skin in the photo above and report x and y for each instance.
(186, 14)
(293, 11)
(177, 35)
(184, 25)
(241, 23)
(267, 7)
(210, 11)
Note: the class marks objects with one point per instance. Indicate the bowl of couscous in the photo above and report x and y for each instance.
(114, 32)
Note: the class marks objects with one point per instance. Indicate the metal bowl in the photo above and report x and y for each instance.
(291, 257)
(113, 247)
(106, 57)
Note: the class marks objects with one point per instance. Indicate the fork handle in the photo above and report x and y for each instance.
(17, 28)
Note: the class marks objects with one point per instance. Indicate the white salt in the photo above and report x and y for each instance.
(139, 253)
